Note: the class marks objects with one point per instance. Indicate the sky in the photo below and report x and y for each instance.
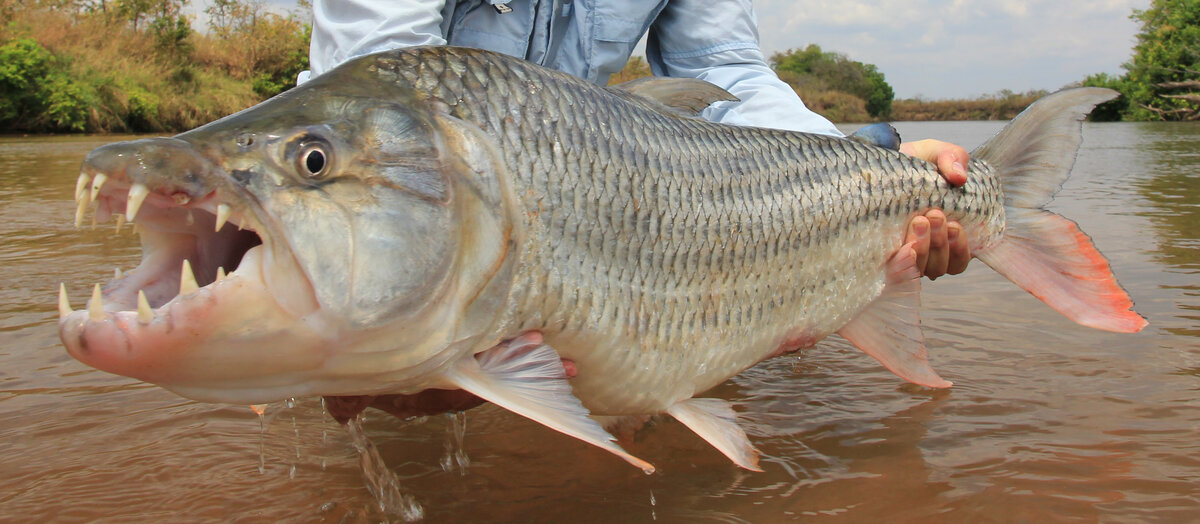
(939, 49)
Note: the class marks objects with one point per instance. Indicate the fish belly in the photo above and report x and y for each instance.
(662, 282)
(640, 351)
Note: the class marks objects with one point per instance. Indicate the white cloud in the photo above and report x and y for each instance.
(961, 48)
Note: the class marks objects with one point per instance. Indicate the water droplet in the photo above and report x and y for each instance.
(381, 481)
(261, 410)
(456, 455)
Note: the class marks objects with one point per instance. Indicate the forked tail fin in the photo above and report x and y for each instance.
(1040, 251)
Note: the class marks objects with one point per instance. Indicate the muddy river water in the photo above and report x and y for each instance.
(1047, 420)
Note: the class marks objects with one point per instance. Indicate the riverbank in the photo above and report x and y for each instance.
(79, 69)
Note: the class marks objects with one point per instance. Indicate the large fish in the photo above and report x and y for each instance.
(453, 218)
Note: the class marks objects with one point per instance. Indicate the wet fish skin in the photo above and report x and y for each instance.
(454, 218)
(673, 252)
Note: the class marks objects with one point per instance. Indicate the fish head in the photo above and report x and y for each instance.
(365, 234)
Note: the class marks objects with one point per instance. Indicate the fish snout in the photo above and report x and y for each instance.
(167, 166)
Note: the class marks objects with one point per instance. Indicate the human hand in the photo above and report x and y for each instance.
(950, 159)
(941, 245)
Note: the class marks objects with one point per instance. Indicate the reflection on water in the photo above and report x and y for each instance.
(1046, 421)
(1172, 190)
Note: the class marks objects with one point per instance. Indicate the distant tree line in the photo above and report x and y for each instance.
(831, 84)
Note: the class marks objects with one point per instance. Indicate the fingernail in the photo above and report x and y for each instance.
(921, 228)
(958, 168)
(952, 235)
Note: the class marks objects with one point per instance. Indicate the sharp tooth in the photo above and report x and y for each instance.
(97, 183)
(137, 230)
(223, 211)
(116, 273)
(145, 314)
(187, 280)
(137, 195)
(120, 222)
(96, 306)
(64, 305)
(220, 273)
(81, 185)
(80, 209)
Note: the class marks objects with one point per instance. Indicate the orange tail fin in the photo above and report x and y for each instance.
(1040, 251)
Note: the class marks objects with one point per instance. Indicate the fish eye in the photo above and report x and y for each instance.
(313, 161)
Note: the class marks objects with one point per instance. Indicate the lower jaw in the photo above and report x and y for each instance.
(230, 334)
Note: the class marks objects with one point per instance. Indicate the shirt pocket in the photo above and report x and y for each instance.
(478, 24)
(613, 40)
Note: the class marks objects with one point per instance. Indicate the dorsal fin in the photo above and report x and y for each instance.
(881, 134)
(684, 96)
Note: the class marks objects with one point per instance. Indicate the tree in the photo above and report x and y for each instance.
(813, 69)
(135, 11)
(1164, 74)
(265, 47)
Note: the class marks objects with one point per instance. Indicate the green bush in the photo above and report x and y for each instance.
(142, 108)
(68, 103)
(23, 66)
(38, 92)
(811, 69)
(1112, 110)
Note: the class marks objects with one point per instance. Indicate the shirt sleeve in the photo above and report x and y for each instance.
(717, 41)
(344, 29)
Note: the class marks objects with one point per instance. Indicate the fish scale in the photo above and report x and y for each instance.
(442, 218)
(774, 219)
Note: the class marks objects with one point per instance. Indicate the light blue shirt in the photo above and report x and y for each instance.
(713, 40)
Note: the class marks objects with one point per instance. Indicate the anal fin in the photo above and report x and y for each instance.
(714, 420)
(527, 377)
(889, 329)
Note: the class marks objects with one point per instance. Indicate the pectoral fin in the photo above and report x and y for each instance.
(714, 420)
(527, 377)
(890, 328)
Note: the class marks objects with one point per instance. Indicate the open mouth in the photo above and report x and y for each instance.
(217, 306)
(189, 245)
